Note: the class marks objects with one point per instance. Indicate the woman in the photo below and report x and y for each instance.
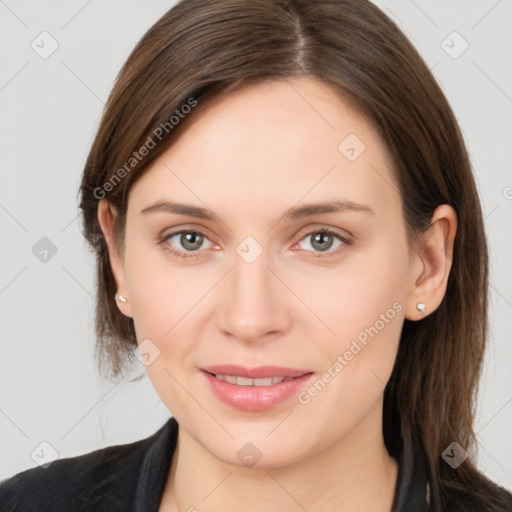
(285, 222)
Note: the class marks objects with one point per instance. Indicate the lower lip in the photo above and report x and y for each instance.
(255, 398)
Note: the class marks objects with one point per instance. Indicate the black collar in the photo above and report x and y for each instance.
(412, 488)
(155, 468)
(411, 492)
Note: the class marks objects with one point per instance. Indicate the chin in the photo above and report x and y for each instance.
(251, 448)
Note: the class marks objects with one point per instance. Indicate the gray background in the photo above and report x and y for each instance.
(50, 108)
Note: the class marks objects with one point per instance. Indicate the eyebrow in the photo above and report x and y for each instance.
(295, 213)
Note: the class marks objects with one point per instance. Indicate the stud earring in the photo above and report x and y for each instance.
(421, 307)
(121, 298)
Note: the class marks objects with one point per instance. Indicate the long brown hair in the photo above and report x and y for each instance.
(201, 50)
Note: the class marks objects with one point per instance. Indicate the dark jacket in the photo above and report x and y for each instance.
(131, 478)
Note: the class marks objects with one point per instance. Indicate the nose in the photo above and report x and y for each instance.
(255, 303)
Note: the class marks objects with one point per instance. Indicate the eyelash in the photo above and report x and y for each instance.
(183, 254)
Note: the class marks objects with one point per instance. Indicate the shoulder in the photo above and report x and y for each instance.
(104, 479)
(484, 496)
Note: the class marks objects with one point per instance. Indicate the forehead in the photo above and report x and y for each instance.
(272, 144)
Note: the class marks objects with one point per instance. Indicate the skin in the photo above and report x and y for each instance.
(249, 157)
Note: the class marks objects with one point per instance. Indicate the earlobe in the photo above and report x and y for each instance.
(106, 217)
(431, 265)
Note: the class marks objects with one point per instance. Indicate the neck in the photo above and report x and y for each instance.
(355, 474)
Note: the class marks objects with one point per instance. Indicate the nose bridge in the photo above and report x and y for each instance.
(251, 280)
(253, 307)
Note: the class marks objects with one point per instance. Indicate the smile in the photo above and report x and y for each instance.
(255, 389)
(246, 381)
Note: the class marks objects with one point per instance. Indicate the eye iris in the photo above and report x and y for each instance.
(318, 238)
(191, 240)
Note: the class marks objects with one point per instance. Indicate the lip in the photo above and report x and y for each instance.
(256, 398)
(260, 372)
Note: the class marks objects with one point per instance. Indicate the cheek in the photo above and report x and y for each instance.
(365, 307)
(364, 294)
(161, 293)
(162, 298)
(165, 301)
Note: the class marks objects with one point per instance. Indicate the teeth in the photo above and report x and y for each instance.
(245, 381)
(263, 382)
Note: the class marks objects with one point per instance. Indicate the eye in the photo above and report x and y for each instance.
(322, 240)
(188, 241)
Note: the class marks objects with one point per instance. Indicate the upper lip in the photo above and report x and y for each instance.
(259, 372)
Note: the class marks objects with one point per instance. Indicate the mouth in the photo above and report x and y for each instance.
(255, 389)
(246, 381)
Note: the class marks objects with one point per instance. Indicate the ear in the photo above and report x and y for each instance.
(431, 264)
(107, 214)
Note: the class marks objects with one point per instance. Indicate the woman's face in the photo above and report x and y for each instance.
(258, 291)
